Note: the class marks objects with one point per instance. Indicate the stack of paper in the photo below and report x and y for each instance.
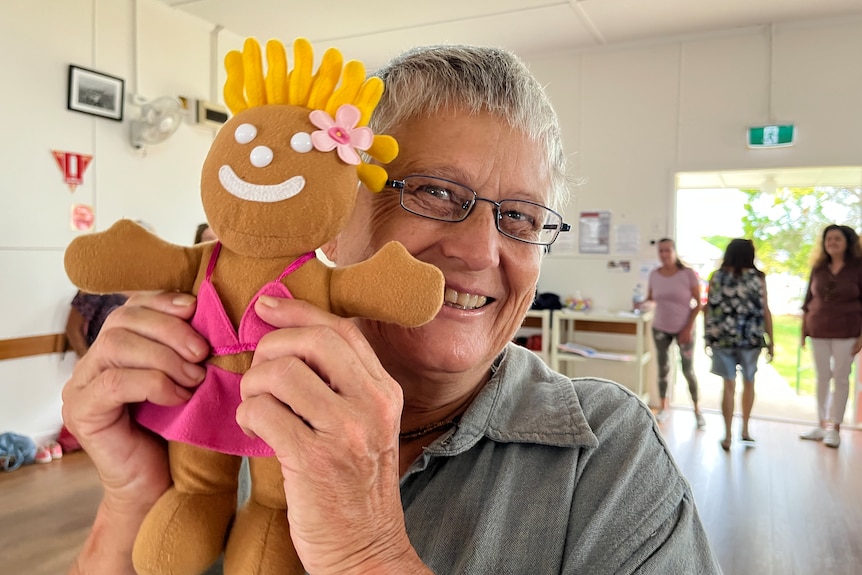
(593, 353)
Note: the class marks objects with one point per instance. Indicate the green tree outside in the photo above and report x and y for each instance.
(786, 226)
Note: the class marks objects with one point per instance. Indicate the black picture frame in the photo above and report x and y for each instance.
(95, 93)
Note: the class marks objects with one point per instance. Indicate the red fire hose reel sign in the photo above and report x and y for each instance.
(73, 166)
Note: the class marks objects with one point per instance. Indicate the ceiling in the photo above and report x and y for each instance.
(375, 30)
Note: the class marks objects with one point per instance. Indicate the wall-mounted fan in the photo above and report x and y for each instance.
(159, 119)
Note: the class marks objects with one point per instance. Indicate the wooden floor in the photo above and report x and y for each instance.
(784, 507)
(46, 510)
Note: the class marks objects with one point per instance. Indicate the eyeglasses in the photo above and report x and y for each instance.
(447, 201)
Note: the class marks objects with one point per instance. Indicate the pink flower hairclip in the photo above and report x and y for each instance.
(341, 133)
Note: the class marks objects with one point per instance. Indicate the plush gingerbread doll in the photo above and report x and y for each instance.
(280, 180)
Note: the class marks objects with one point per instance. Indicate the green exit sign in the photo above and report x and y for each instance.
(771, 136)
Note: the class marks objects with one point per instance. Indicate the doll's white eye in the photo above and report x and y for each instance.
(301, 142)
(245, 133)
(261, 156)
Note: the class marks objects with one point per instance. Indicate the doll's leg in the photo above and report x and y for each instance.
(259, 541)
(184, 533)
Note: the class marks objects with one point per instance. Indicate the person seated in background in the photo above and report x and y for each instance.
(87, 313)
(438, 449)
(204, 233)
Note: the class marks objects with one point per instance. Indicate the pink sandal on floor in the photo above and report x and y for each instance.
(43, 455)
(49, 452)
(56, 450)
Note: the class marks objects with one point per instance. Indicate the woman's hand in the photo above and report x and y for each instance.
(684, 337)
(146, 350)
(770, 352)
(317, 394)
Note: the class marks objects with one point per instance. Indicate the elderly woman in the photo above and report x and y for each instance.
(438, 449)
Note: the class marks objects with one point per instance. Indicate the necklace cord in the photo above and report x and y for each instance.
(427, 428)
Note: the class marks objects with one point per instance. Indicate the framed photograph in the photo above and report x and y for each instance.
(95, 93)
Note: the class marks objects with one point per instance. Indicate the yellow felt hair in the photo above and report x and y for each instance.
(334, 84)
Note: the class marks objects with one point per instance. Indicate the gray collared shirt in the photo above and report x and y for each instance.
(550, 475)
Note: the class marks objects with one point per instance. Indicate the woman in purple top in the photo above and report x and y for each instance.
(832, 318)
(675, 289)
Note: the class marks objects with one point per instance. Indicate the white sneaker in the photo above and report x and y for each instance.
(662, 415)
(816, 434)
(701, 422)
(831, 438)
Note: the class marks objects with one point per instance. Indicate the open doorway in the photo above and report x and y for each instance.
(783, 211)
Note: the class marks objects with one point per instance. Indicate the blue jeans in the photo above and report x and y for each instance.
(726, 359)
(662, 345)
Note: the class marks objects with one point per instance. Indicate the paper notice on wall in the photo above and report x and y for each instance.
(566, 244)
(620, 266)
(627, 239)
(594, 230)
(645, 268)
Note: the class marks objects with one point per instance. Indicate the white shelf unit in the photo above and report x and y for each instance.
(538, 322)
(621, 332)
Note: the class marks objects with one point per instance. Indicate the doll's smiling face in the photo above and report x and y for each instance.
(267, 192)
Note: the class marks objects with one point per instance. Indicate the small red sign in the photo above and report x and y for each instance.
(73, 166)
(82, 217)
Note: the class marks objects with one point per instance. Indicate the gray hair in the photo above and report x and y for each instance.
(426, 80)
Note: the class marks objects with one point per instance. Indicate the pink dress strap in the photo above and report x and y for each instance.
(213, 259)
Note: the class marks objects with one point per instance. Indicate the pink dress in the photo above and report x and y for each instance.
(208, 419)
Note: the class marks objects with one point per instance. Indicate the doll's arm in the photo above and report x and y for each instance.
(126, 257)
(391, 286)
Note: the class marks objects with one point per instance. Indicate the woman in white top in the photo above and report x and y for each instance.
(675, 289)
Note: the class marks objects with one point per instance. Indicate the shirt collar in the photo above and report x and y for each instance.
(523, 402)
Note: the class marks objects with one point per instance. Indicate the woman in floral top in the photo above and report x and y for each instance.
(737, 325)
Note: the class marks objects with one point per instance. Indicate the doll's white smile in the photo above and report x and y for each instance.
(267, 193)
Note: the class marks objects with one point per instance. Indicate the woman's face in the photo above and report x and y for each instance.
(486, 155)
(666, 254)
(835, 243)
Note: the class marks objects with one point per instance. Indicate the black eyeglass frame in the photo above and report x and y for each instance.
(400, 186)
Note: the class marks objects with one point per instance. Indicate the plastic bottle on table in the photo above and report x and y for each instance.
(638, 298)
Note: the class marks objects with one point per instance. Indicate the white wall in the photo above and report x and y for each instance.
(632, 117)
(158, 185)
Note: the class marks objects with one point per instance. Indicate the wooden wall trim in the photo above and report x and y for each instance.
(34, 345)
